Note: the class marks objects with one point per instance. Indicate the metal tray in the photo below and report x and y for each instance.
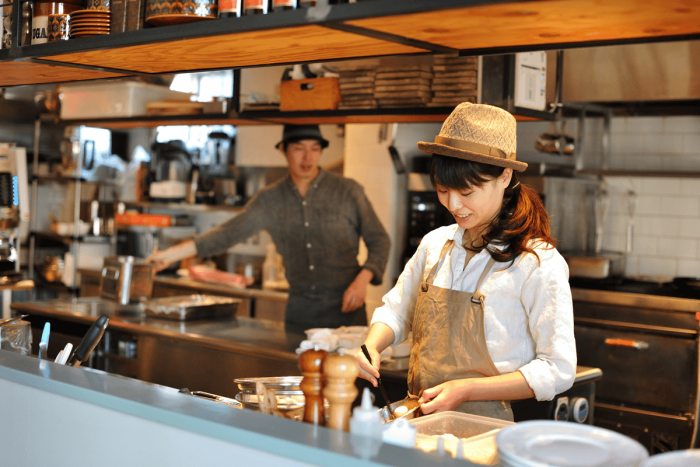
(188, 307)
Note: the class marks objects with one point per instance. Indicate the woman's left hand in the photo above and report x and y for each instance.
(444, 397)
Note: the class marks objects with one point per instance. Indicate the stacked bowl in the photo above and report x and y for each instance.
(95, 21)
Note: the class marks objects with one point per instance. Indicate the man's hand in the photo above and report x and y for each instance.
(445, 396)
(354, 295)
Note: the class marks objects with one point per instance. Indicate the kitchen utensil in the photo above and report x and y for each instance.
(602, 204)
(631, 208)
(407, 408)
(382, 389)
(188, 307)
(92, 337)
(44, 344)
(212, 397)
(126, 279)
(596, 266)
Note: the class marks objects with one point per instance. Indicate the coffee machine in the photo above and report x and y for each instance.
(14, 210)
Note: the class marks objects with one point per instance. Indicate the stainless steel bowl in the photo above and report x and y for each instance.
(274, 383)
(407, 408)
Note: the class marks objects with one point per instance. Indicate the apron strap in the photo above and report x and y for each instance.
(477, 296)
(431, 275)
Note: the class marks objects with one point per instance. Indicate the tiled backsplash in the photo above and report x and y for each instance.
(666, 229)
(655, 143)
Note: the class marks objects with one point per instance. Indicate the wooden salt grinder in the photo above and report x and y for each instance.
(341, 371)
(311, 365)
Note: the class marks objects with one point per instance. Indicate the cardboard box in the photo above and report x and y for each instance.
(310, 94)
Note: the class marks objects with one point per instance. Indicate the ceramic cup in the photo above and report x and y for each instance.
(59, 29)
(99, 5)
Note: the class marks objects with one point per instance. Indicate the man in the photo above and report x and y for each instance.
(316, 220)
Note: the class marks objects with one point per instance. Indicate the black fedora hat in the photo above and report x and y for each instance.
(292, 133)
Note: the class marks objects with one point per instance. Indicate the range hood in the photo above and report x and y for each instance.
(662, 75)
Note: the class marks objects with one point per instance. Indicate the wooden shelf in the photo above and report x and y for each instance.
(398, 115)
(543, 24)
(359, 30)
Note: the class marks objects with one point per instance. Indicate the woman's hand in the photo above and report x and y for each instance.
(368, 371)
(445, 396)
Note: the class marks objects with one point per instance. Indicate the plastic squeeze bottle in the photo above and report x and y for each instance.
(366, 420)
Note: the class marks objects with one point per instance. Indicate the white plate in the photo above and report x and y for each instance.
(687, 458)
(561, 444)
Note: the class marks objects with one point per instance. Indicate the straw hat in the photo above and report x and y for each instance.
(479, 133)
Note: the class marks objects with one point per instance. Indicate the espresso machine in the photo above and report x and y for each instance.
(14, 210)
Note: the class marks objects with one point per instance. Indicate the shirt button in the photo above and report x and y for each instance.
(308, 245)
(303, 203)
(306, 224)
(311, 267)
(313, 287)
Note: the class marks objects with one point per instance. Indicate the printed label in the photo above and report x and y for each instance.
(257, 4)
(40, 30)
(226, 6)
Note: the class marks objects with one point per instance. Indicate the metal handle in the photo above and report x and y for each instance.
(639, 345)
(114, 271)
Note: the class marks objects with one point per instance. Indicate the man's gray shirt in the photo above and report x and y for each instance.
(317, 235)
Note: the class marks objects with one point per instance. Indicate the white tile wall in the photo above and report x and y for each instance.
(666, 225)
(666, 239)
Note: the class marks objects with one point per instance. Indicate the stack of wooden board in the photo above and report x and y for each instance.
(357, 88)
(454, 80)
(405, 86)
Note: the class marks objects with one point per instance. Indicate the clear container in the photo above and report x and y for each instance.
(462, 428)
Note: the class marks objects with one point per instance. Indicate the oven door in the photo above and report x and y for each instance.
(640, 368)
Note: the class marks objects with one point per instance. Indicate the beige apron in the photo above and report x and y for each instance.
(449, 341)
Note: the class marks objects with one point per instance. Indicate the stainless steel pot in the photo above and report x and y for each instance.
(126, 279)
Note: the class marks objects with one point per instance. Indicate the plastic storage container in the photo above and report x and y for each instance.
(110, 100)
(470, 428)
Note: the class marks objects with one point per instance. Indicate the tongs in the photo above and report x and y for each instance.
(379, 383)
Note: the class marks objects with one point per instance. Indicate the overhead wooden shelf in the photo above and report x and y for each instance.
(286, 45)
(18, 73)
(330, 117)
(152, 122)
(543, 23)
(366, 29)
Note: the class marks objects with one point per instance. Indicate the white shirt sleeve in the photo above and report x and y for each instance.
(400, 302)
(546, 296)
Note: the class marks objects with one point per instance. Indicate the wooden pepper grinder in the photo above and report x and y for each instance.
(341, 371)
(311, 365)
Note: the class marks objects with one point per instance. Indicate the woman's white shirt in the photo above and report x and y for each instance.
(528, 311)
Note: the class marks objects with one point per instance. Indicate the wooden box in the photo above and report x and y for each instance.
(310, 94)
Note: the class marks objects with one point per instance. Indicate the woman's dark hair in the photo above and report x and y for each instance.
(522, 217)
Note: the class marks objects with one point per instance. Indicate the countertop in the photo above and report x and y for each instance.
(248, 336)
(185, 283)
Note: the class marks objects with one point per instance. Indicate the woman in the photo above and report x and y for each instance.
(487, 299)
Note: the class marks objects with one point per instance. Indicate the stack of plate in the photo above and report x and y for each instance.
(560, 444)
(86, 23)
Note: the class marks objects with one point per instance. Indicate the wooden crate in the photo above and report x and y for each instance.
(310, 94)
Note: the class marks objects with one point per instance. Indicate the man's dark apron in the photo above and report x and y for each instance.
(320, 310)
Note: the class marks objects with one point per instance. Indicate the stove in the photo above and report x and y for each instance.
(644, 337)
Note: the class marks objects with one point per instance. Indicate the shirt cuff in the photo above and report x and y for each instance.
(538, 375)
(376, 273)
(385, 315)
